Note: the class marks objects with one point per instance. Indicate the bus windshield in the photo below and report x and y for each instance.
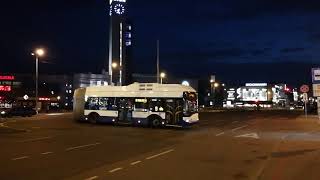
(190, 105)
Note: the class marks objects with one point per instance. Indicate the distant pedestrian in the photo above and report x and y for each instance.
(257, 105)
(48, 108)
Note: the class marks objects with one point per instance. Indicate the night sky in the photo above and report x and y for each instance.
(238, 40)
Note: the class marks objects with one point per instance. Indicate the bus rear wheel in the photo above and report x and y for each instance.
(93, 118)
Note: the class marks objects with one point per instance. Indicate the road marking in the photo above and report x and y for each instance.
(35, 128)
(235, 129)
(1, 124)
(92, 178)
(134, 163)
(46, 153)
(115, 170)
(83, 146)
(251, 135)
(20, 158)
(160, 154)
(234, 122)
(220, 134)
(55, 114)
(177, 126)
(36, 139)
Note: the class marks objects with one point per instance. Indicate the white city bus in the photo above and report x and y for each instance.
(155, 105)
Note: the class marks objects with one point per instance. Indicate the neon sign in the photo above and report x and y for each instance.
(123, 1)
(6, 77)
(44, 99)
(5, 88)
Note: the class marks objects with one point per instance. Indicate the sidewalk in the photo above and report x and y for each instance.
(39, 116)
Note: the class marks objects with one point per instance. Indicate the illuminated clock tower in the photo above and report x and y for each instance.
(118, 42)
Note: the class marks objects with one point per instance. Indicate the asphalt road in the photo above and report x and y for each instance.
(224, 145)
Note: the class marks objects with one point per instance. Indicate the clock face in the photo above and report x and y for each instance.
(119, 9)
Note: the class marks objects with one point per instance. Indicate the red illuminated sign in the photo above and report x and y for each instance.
(7, 77)
(5, 88)
(44, 99)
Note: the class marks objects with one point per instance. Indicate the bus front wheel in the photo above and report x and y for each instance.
(155, 122)
(93, 118)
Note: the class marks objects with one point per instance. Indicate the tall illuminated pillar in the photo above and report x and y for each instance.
(117, 41)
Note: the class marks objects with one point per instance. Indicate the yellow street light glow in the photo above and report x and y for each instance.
(162, 75)
(216, 85)
(114, 65)
(40, 52)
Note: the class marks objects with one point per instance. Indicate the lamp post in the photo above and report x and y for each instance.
(113, 66)
(37, 53)
(213, 86)
(162, 75)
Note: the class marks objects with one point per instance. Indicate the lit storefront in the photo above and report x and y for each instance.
(266, 95)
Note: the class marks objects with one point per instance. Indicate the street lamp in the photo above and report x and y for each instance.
(185, 83)
(162, 75)
(37, 53)
(114, 65)
(216, 85)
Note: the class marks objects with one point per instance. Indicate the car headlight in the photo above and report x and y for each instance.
(3, 112)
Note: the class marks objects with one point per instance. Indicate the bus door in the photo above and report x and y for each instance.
(174, 110)
(125, 110)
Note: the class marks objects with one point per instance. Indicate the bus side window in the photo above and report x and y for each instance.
(103, 103)
(141, 104)
(92, 103)
(156, 105)
(112, 104)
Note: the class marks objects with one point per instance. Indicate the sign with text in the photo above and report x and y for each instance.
(316, 90)
(256, 84)
(316, 75)
(10, 78)
(5, 88)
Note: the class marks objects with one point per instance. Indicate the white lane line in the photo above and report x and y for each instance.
(92, 178)
(160, 154)
(220, 134)
(134, 163)
(46, 153)
(20, 158)
(56, 114)
(36, 139)
(115, 170)
(235, 129)
(83, 146)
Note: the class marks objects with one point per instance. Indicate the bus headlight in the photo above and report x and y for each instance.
(3, 112)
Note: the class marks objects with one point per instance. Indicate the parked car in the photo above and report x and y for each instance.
(18, 111)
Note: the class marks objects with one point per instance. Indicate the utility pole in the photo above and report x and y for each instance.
(158, 61)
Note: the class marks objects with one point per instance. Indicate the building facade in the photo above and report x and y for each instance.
(55, 91)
